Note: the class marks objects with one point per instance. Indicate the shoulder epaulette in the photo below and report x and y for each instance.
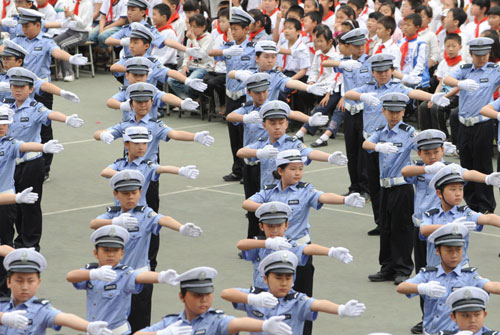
(251, 44)
(123, 88)
(126, 25)
(147, 25)
(302, 184)
(262, 139)
(291, 296)
(466, 66)
(152, 59)
(380, 128)
(121, 267)
(429, 269)
(148, 162)
(127, 57)
(248, 103)
(46, 36)
(418, 162)
(169, 315)
(491, 332)
(41, 301)
(114, 208)
(4, 299)
(120, 159)
(291, 139)
(462, 208)
(90, 266)
(9, 138)
(229, 43)
(405, 127)
(469, 269)
(139, 208)
(259, 237)
(20, 35)
(371, 83)
(8, 100)
(431, 212)
(33, 103)
(269, 186)
(447, 332)
(216, 311)
(492, 65)
(256, 290)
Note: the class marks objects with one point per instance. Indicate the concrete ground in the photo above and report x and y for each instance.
(76, 194)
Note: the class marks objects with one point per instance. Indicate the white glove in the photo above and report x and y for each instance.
(242, 75)
(449, 149)
(354, 200)
(431, 289)
(411, 80)
(74, 121)
(15, 319)
(196, 52)
(5, 87)
(440, 99)
(98, 328)
(189, 171)
(125, 220)
(386, 148)
(196, 84)
(125, 106)
(277, 243)
(340, 253)
(189, 229)
(300, 53)
(351, 308)
(276, 326)
(204, 138)
(319, 89)
(337, 158)
(434, 168)
(470, 225)
(493, 179)
(70, 96)
(465, 332)
(52, 147)
(189, 105)
(176, 329)
(125, 42)
(104, 273)
(26, 196)
(263, 299)
(9, 22)
(235, 50)
(107, 137)
(498, 115)
(78, 59)
(252, 117)
(468, 85)
(317, 119)
(349, 65)
(267, 152)
(370, 99)
(168, 277)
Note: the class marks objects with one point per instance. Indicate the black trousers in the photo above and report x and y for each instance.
(216, 82)
(235, 135)
(420, 257)
(153, 201)
(304, 276)
(29, 217)
(140, 311)
(251, 185)
(7, 221)
(454, 125)
(353, 134)
(373, 173)
(47, 100)
(396, 229)
(476, 153)
(435, 117)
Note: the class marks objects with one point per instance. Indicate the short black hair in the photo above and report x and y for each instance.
(314, 16)
(360, 4)
(297, 10)
(482, 4)
(199, 20)
(264, 19)
(163, 10)
(291, 2)
(388, 22)
(426, 9)
(458, 14)
(224, 12)
(389, 4)
(296, 24)
(453, 36)
(494, 10)
(191, 6)
(175, 3)
(348, 11)
(351, 24)
(375, 15)
(414, 4)
(415, 18)
(323, 30)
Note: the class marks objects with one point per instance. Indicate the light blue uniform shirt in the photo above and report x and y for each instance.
(127, 29)
(296, 307)
(40, 51)
(438, 216)
(37, 88)
(110, 301)
(212, 322)
(153, 113)
(28, 120)
(18, 29)
(278, 81)
(137, 247)
(9, 151)
(372, 116)
(356, 78)
(39, 312)
(401, 135)
(253, 131)
(267, 166)
(436, 313)
(245, 61)
(300, 197)
(158, 72)
(256, 255)
(488, 78)
(157, 128)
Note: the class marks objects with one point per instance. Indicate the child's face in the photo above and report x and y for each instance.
(279, 284)
(4, 128)
(135, 14)
(266, 61)
(382, 77)
(108, 256)
(382, 32)
(494, 21)
(452, 193)
(159, 20)
(31, 29)
(254, 27)
(290, 32)
(9, 62)
(141, 108)
(322, 44)
(238, 32)
(371, 25)
(197, 30)
(137, 47)
(376, 5)
(472, 321)
(431, 156)
(135, 78)
(309, 6)
(449, 21)
(340, 17)
(21, 93)
(448, 4)
(475, 10)
(275, 127)
(295, 16)
(357, 50)
(409, 29)
(406, 9)
(197, 303)
(450, 256)
(480, 61)
(326, 4)
(452, 48)
(385, 10)
(127, 199)
(292, 173)
(173, 8)
(393, 118)
(274, 230)
(224, 23)
(23, 286)
(344, 49)
(284, 7)
(425, 19)
(269, 5)
(354, 8)
(308, 24)
(136, 149)
(259, 98)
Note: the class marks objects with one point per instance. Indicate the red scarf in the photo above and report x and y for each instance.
(38, 6)
(274, 11)
(224, 36)
(252, 35)
(109, 16)
(6, 3)
(53, 2)
(217, 26)
(323, 58)
(478, 24)
(439, 30)
(404, 49)
(173, 18)
(379, 49)
(452, 61)
(421, 29)
(328, 15)
(456, 31)
(367, 45)
(77, 7)
(364, 11)
(166, 26)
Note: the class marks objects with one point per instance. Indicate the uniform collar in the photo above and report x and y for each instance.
(282, 139)
(39, 36)
(25, 104)
(138, 161)
(145, 119)
(394, 129)
(452, 211)
(26, 304)
(201, 316)
(386, 85)
(291, 187)
(457, 270)
(481, 68)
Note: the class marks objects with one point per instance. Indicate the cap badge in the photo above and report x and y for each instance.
(140, 88)
(112, 232)
(380, 58)
(202, 275)
(139, 62)
(468, 294)
(455, 230)
(480, 42)
(273, 209)
(284, 257)
(126, 175)
(24, 256)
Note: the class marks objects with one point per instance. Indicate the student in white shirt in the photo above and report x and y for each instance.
(175, 20)
(362, 11)
(371, 26)
(475, 27)
(328, 18)
(414, 51)
(271, 9)
(454, 18)
(385, 29)
(113, 15)
(293, 59)
(389, 9)
(428, 36)
(166, 56)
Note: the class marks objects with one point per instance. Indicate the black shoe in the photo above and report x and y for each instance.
(365, 195)
(349, 192)
(231, 177)
(381, 276)
(241, 181)
(319, 143)
(240, 255)
(301, 139)
(417, 329)
(374, 232)
(46, 178)
(400, 278)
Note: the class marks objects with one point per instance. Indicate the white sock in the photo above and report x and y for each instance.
(324, 137)
(300, 133)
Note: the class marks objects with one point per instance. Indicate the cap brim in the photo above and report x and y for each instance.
(275, 116)
(394, 109)
(381, 68)
(273, 220)
(127, 188)
(23, 269)
(480, 52)
(138, 71)
(281, 270)
(110, 245)
(202, 290)
(19, 82)
(141, 98)
(430, 146)
(358, 43)
(450, 243)
(259, 88)
(469, 309)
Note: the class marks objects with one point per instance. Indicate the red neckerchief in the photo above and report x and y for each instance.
(53, 2)
(4, 10)
(452, 61)
(328, 15)
(284, 56)
(456, 31)
(166, 26)
(173, 18)
(217, 26)
(404, 49)
(367, 45)
(38, 6)
(274, 11)
(323, 58)
(109, 15)
(224, 36)
(439, 30)
(364, 11)
(379, 49)
(478, 24)
(252, 35)
(77, 7)
(421, 29)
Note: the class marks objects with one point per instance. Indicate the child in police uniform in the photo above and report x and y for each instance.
(24, 311)
(278, 269)
(109, 283)
(199, 318)
(141, 222)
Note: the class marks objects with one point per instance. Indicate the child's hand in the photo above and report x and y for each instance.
(190, 34)
(325, 100)
(184, 70)
(340, 105)
(67, 12)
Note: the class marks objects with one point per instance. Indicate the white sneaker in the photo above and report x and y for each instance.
(59, 76)
(69, 78)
